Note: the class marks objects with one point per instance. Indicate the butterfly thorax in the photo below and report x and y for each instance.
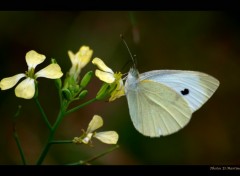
(132, 80)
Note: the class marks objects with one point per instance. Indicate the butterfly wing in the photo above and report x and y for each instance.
(195, 87)
(161, 102)
(156, 109)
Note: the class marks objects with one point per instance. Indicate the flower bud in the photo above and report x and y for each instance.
(76, 88)
(66, 94)
(103, 92)
(86, 79)
(83, 94)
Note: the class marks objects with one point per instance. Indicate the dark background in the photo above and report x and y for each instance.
(203, 41)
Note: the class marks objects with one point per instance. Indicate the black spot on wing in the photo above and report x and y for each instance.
(185, 92)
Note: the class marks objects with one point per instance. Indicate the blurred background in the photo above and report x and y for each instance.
(201, 41)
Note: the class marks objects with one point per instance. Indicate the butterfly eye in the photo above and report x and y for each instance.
(185, 92)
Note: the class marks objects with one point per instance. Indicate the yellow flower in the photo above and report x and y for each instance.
(79, 60)
(108, 137)
(106, 74)
(26, 89)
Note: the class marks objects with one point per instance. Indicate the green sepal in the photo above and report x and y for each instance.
(53, 61)
(58, 83)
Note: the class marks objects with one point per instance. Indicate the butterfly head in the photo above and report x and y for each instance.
(133, 72)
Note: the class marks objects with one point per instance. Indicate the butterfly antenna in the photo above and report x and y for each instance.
(125, 43)
(135, 60)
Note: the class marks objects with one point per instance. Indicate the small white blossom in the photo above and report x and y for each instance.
(106, 74)
(26, 88)
(108, 137)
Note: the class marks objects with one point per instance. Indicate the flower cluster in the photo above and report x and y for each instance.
(26, 89)
(114, 85)
(72, 89)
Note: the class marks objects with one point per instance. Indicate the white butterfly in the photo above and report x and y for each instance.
(161, 102)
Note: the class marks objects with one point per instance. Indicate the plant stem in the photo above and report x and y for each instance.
(15, 135)
(80, 106)
(95, 157)
(51, 135)
(43, 113)
(61, 142)
(60, 97)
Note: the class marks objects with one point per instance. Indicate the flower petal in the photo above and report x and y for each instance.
(84, 55)
(87, 138)
(118, 92)
(25, 89)
(104, 76)
(95, 123)
(101, 65)
(33, 59)
(7, 83)
(72, 57)
(108, 137)
(52, 71)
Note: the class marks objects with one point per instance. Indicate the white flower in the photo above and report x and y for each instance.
(106, 74)
(108, 137)
(79, 60)
(26, 89)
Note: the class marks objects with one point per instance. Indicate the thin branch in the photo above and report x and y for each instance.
(45, 118)
(61, 142)
(80, 106)
(95, 157)
(15, 135)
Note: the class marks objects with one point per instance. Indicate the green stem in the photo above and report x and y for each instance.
(15, 135)
(51, 135)
(95, 157)
(61, 142)
(60, 96)
(80, 106)
(43, 113)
